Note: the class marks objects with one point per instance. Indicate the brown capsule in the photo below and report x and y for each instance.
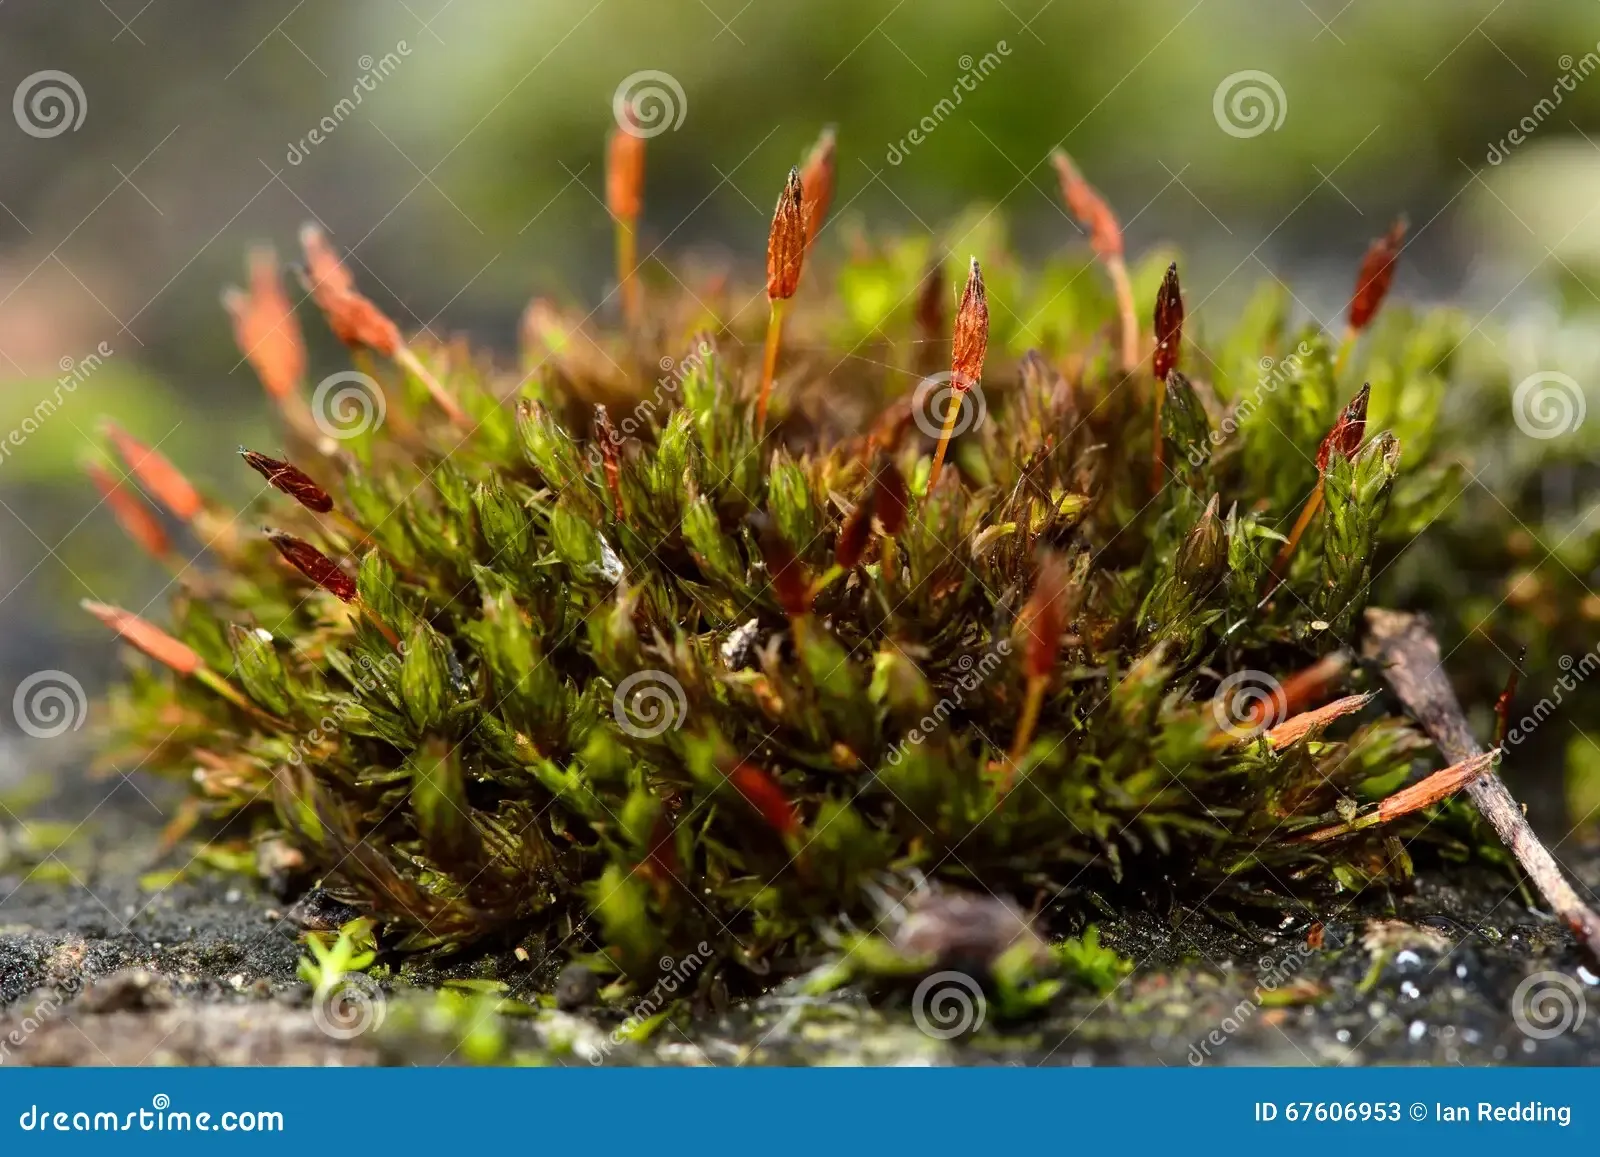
(1296, 692)
(353, 319)
(1377, 272)
(789, 582)
(1438, 786)
(970, 340)
(891, 425)
(816, 181)
(1043, 618)
(625, 173)
(312, 563)
(762, 792)
(1297, 727)
(161, 479)
(265, 328)
(290, 479)
(1168, 324)
(1088, 208)
(1348, 431)
(137, 520)
(361, 325)
(325, 272)
(854, 534)
(889, 502)
(786, 243)
(147, 637)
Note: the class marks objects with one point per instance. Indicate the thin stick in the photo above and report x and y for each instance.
(1346, 344)
(232, 694)
(1037, 685)
(386, 630)
(1280, 565)
(1158, 445)
(1409, 653)
(407, 360)
(769, 362)
(945, 435)
(627, 260)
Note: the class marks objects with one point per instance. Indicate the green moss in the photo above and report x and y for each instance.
(612, 728)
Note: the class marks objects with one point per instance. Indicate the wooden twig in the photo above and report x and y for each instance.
(1409, 654)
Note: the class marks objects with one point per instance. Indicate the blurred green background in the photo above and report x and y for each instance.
(469, 178)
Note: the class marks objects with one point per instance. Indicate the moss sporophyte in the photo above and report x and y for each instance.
(638, 668)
